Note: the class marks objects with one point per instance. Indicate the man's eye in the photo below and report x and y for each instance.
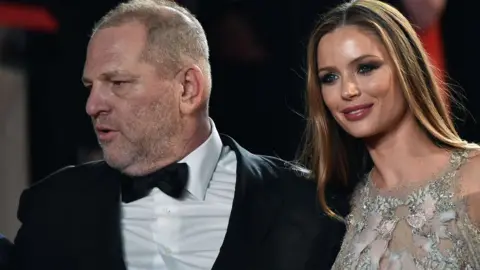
(119, 83)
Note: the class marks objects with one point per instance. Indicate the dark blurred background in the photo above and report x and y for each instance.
(258, 63)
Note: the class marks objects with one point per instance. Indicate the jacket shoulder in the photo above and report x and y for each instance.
(290, 172)
(57, 189)
(300, 187)
(292, 182)
(67, 176)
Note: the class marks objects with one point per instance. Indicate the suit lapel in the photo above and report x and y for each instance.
(255, 205)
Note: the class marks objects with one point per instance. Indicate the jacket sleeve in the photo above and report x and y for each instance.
(38, 209)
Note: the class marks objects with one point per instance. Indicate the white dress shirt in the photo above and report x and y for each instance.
(161, 232)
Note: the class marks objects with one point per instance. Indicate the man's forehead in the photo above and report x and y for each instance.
(102, 54)
(110, 45)
(125, 36)
(110, 60)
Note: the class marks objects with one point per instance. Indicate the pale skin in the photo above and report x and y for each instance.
(355, 69)
(144, 119)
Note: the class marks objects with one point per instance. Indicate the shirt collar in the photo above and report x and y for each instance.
(202, 163)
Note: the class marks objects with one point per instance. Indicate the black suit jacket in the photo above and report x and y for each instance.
(6, 248)
(71, 220)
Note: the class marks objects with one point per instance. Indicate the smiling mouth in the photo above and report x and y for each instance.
(358, 112)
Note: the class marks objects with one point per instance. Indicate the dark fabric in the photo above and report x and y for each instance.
(170, 179)
(6, 248)
(71, 220)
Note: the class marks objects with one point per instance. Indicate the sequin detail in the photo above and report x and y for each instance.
(427, 228)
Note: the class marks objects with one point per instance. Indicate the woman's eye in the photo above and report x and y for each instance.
(328, 78)
(367, 68)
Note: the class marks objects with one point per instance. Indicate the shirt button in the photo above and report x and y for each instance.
(168, 251)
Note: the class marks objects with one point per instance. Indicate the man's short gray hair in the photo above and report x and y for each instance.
(174, 35)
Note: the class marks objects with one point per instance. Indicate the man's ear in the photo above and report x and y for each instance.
(193, 92)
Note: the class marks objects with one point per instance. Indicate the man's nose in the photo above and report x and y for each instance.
(96, 102)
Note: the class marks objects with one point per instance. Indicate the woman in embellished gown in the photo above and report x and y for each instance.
(373, 99)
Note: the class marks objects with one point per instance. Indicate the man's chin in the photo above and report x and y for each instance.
(127, 168)
(114, 160)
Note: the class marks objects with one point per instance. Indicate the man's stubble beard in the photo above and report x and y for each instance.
(157, 142)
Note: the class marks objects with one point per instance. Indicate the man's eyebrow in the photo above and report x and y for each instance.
(109, 75)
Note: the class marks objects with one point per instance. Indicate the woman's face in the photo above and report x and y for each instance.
(358, 82)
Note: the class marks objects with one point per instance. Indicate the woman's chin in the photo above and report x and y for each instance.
(360, 133)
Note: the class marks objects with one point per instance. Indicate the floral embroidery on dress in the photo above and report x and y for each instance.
(424, 230)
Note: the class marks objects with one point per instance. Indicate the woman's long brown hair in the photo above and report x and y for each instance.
(332, 154)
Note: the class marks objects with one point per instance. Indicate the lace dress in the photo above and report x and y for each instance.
(432, 226)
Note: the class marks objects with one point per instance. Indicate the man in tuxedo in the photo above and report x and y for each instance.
(171, 193)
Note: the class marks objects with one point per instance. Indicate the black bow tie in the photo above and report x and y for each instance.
(170, 179)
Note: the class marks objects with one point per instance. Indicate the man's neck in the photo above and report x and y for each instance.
(197, 135)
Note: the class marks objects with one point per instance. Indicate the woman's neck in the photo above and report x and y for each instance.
(404, 155)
